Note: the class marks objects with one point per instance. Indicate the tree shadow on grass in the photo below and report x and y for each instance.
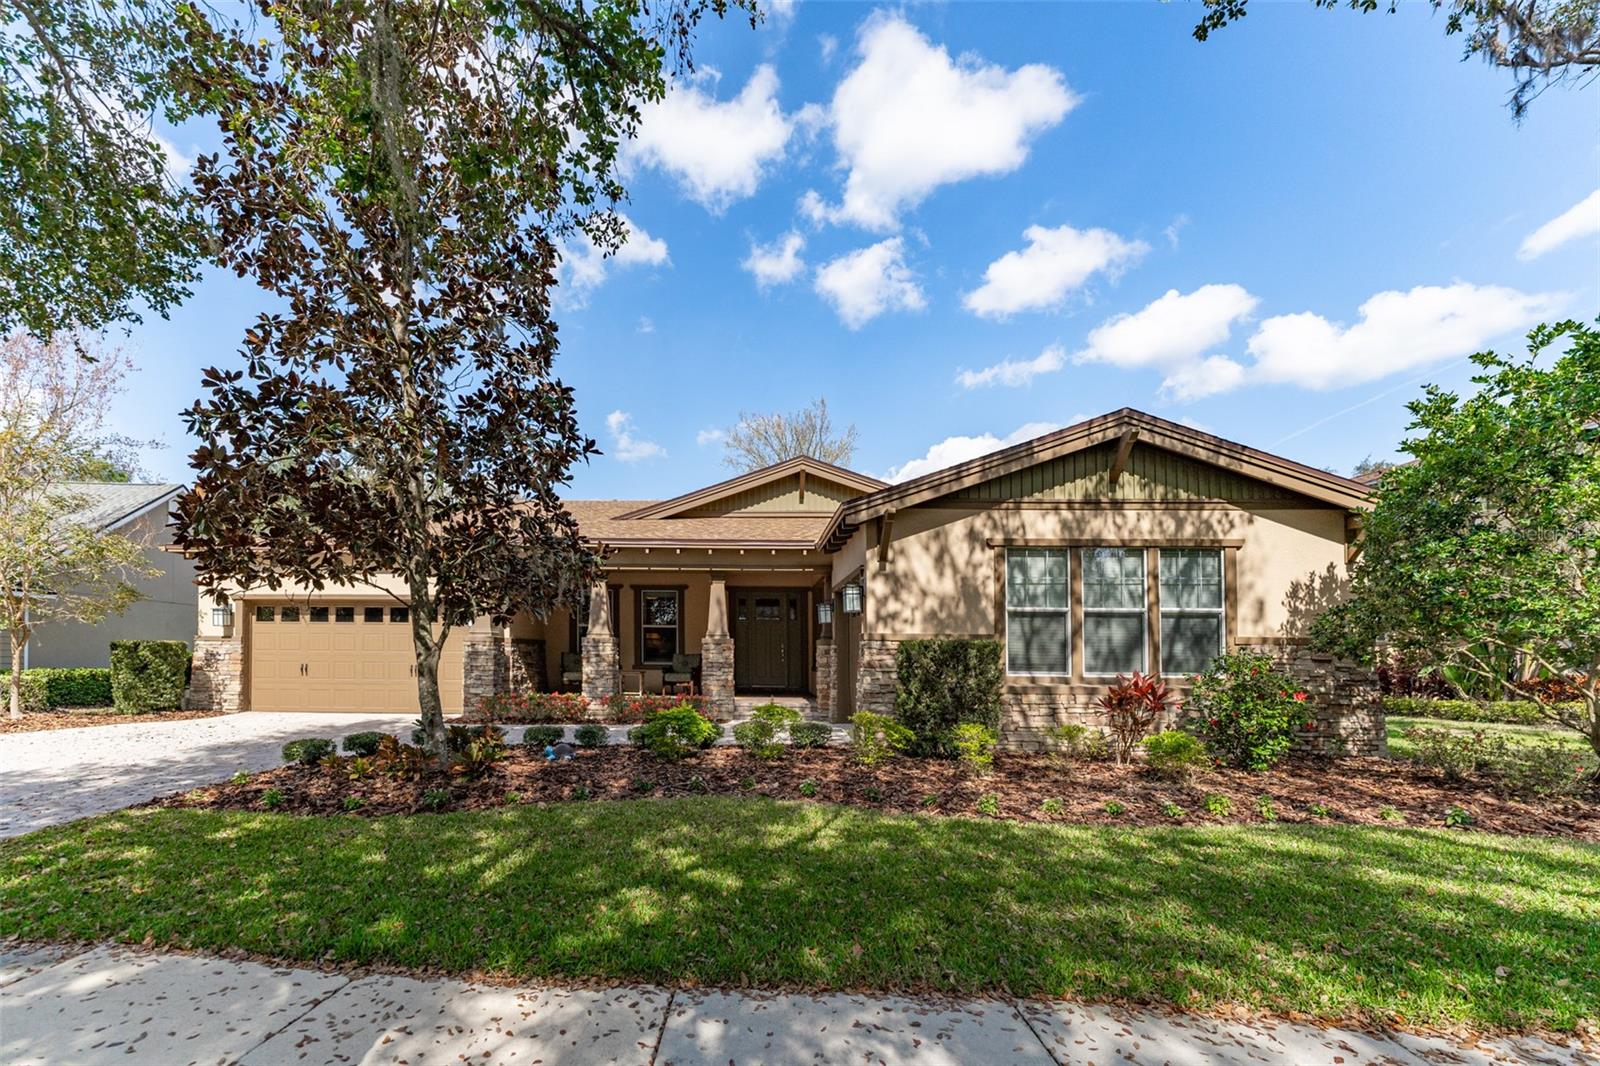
(1333, 921)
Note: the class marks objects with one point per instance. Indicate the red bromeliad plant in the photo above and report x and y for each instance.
(1133, 705)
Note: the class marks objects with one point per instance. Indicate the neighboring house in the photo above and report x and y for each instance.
(1122, 543)
(166, 607)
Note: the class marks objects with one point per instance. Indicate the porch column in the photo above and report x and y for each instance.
(601, 651)
(716, 653)
(826, 682)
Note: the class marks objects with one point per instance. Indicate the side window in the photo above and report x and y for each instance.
(1114, 618)
(1038, 614)
(1192, 609)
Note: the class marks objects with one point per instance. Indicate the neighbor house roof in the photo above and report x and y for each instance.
(1125, 425)
(108, 504)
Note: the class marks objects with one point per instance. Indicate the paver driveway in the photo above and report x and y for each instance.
(58, 775)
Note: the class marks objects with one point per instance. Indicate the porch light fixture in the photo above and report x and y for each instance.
(851, 595)
(222, 616)
(824, 612)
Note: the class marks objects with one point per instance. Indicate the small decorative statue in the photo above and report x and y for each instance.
(562, 752)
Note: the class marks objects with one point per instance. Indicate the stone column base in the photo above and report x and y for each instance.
(876, 676)
(602, 669)
(827, 677)
(216, 676)
(716, 676)
(1346, 710)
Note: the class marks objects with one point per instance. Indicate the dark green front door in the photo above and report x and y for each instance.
(769, 630)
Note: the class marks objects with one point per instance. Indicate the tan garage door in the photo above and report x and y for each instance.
(340, 657)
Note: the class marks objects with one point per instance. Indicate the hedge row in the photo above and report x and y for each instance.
(46, 688)
(1515, 712)
(148, 675)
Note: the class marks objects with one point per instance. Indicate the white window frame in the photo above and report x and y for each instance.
(1220, 610)
(676, 627)
(1142, 611)
(1066, 611)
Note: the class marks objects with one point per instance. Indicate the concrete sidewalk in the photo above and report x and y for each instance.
(119, 1005)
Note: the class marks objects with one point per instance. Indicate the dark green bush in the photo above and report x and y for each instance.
(46, 688)
(541, 735)
(309, 751)
(1246, 711)
(941, 684)
(1514, 712)
(675, 732)
(148, 675)
(810, 734)
(592, 735)
(363, 743)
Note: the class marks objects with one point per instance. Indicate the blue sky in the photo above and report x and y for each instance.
(967, 223)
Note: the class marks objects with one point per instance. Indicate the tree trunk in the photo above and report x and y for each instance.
(15, 686)
(427, 647)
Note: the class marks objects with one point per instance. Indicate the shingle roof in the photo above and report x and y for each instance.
(598, 520)
(108, 504)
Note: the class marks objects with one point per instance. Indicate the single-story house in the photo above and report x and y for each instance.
(1125, 542)
(166, 607)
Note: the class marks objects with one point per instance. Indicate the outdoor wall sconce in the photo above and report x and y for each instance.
(222, 616)
(824, 612)
(851, 594)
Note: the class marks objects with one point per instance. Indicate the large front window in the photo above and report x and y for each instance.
(1114, 616)
(659, 614)
(1038, 612)
(1191, 609)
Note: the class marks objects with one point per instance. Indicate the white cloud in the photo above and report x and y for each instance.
(863, 284)
(710, 436)
(778, 262)
(781, 12)
(1055, 262)
(953, 450)
(1171, 232)
(1397, 331)
(1207, 377)
(1580, 220)
(1172, 330)
(584, 266)
(827, 45)
(909, 119)
(716, 149)
(1015, 372)
(625, 446)
(646, 324)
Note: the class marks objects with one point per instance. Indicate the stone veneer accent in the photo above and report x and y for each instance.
(716, 676)
(1343, 697)
(827, 676)
(876, 675)
(602, 667)
(492, 663)
(216, 676)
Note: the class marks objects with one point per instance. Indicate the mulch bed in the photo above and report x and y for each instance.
(1353, 791)
(36, 721)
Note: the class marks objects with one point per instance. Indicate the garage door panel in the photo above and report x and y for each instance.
(358, 666)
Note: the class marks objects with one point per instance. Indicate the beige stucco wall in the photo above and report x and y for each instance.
(165, 611)
(941, 576)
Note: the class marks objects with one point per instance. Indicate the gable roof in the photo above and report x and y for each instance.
(108, 504)
(607, 522)
(1126, 423)
(801, 464)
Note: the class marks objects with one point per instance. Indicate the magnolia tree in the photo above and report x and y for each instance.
(52, 568)
(400, 178)
(1482, 554)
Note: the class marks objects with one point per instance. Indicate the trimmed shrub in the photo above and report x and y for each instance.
(1456, 755)
(148, 675)
(539, 736)
(621, 708)
(48, 687)
(1077, 741)
(1175, 754)
(875, 737)
(1246, 711)
(592, 735)
(1511, 712)
(309, 751)
(810, 734)
(363, 743)
(941, 684)
(675, 732)
(759, 738)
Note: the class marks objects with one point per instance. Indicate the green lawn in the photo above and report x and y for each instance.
(1432, 926)
(1516, 734)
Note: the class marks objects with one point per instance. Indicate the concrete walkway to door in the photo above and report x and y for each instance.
(58, 775)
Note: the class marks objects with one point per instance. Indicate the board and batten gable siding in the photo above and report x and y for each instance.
(780, 497)
(1151, 475)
